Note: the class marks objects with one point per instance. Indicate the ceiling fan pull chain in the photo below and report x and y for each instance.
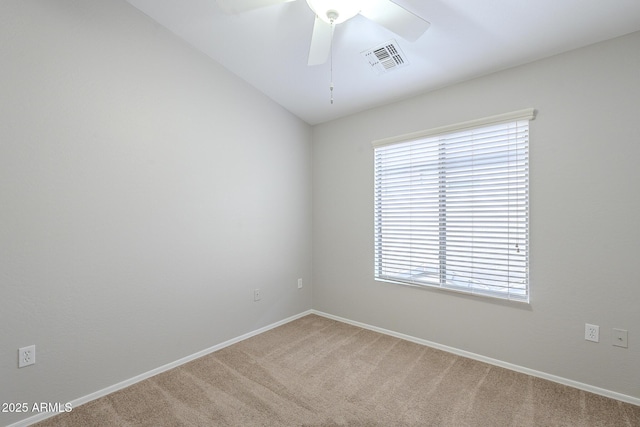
(332, 16)
(331, 71)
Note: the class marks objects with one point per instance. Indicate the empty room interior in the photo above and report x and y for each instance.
(184, 182)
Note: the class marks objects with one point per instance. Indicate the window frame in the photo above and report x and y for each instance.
(504, 294)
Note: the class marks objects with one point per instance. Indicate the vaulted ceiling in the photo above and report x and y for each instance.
(268, 47)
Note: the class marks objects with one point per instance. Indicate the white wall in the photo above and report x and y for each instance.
(144, 192)
(585, 234)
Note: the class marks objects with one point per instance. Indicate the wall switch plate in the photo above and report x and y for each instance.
(591, 332)
(256, 295)
(26, 356)
(299, 283)
(620, 338)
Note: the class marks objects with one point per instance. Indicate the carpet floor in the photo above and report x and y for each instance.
(316, 371)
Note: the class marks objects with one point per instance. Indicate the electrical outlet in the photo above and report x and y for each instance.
(299, 283)
(591, 332)
(619, 338)
(256, 295)
(26, 356)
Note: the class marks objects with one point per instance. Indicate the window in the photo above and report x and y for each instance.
(452, 207)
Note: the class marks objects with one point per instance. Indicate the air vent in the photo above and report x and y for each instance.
(386, 57)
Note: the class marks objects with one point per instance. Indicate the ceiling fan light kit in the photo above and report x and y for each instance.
(329, 13)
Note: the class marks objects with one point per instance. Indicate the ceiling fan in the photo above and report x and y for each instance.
(329, 13)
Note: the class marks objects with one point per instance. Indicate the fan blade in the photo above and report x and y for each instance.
(396, 18)
(320, 42)
(234, 7)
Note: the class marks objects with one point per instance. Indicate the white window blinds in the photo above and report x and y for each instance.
(452, 207)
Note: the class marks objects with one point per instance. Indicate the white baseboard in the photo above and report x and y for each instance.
(168, 366)
(119, 386)
(489, 360)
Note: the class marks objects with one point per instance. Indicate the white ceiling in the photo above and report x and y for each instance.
(268, 47)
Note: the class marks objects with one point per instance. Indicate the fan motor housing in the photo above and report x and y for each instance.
(335, 11)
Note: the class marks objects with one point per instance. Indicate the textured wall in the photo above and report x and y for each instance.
(144, 192)
(585, 236)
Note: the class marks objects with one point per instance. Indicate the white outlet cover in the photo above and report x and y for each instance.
(591, 332)
(620, 338)
(26, 356)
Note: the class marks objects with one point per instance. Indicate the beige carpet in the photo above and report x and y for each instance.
(318, 372)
